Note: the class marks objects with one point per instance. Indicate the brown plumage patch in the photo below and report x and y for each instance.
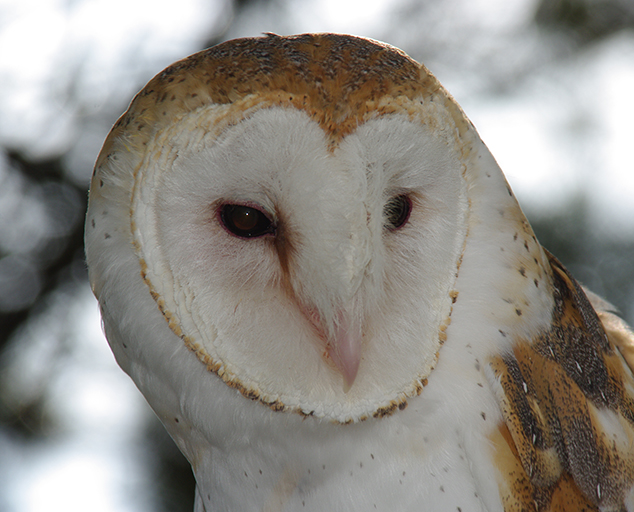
(567, 441)
(390, 409)
(285, 242)
(337, 80)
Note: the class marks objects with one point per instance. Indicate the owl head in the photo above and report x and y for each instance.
(308, 220)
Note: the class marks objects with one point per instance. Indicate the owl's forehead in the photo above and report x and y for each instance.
(338, 80)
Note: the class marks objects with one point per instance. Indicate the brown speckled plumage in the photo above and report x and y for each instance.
(293, 71)
(554, 389)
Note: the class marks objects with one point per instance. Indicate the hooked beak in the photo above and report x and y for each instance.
(343, 344)
(344, 348)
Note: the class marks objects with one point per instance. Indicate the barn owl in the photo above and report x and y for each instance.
(314, 270)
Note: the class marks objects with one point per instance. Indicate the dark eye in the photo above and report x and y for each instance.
(396, 211)
(245, 221)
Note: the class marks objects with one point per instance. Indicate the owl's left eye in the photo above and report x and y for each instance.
(396, 211)
(245, 221)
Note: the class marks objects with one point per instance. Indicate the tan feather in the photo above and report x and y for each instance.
(568, 408)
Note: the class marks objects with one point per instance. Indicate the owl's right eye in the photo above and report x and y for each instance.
(245, 221)
(397, 211)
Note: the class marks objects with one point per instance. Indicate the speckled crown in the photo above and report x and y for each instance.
(336, 79)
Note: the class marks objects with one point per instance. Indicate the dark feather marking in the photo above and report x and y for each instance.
(578, 340)
(553, 390)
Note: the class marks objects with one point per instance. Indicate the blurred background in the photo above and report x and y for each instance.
(548, 83)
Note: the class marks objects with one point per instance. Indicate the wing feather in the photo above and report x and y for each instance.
(567, 398)
(619, 333)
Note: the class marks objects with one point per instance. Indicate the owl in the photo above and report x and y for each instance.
(314, 270)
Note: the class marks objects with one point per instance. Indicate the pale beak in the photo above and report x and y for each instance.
(344, 348)
(343, 344)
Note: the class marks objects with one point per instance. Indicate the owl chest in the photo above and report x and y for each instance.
(434, 473)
